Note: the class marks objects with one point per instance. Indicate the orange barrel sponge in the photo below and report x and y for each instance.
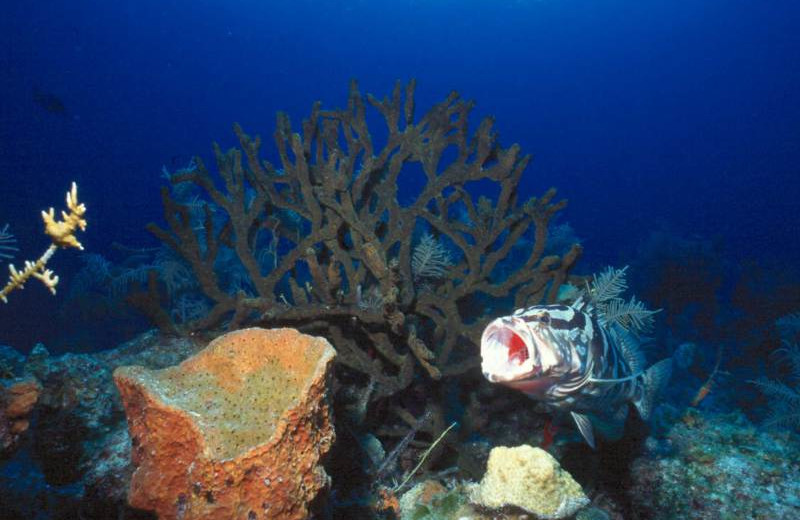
(234, 432)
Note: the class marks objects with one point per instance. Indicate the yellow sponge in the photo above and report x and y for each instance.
(531, 479)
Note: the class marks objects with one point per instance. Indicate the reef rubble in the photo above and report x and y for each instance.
(717, 466)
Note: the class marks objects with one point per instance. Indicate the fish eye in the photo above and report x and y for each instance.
(545, 318)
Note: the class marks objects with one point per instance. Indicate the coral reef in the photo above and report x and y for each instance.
(706, 466)
(717, 466)
(324, 243)
(531, 479)
(236, 431)
(684, 470)
(61, 233)
(519, 483)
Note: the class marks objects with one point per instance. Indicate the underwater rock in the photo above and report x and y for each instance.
(76, 407)
(430, 500)
(79, 457)
(58, 444)
(236, 431)
(531, 479)
(37, 361)
(107, 480)
(11, 362)
(16, 402)
(720, 466)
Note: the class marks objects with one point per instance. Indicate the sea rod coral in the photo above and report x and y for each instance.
(325, 241)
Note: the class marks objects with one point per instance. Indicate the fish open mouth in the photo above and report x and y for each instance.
(505, 353)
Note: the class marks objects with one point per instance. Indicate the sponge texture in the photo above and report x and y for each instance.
(531, 479)
(235, 432)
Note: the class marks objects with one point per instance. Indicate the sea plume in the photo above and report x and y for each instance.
(605, 291)
(7, 243)
(431, 258)
(784, 399)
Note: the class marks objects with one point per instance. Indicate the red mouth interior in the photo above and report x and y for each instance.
(517, 351)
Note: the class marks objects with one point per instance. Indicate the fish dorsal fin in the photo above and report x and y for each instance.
(630, 348)
(583, 304)
(655, 379)
(585, 427)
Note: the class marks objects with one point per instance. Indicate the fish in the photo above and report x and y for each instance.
(570, 359)
(48, 101)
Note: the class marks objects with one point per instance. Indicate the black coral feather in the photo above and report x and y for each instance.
(431, 258)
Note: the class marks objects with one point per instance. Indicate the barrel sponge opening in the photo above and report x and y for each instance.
(236, 390)
(243, 423)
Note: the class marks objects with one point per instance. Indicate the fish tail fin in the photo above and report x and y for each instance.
(655, 379)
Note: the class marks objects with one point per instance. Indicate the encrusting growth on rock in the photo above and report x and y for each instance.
(62, 233)
(17, 399)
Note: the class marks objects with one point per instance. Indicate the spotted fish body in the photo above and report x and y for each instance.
(568, 359)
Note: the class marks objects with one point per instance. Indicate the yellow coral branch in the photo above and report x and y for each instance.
(62, 234)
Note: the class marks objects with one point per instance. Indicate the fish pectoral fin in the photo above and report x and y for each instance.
(654, 380)
(585, 427)
(621, 415)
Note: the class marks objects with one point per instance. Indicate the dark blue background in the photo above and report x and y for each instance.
(679, 114)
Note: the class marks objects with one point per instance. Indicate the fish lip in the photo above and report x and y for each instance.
(513, 324)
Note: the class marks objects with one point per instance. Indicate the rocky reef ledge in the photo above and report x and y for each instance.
(73, 460)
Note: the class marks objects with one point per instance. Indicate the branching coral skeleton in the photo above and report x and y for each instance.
(62, 234)
(343, 244)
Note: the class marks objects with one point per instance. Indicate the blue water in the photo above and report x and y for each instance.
(648, 115)
(672, 126)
